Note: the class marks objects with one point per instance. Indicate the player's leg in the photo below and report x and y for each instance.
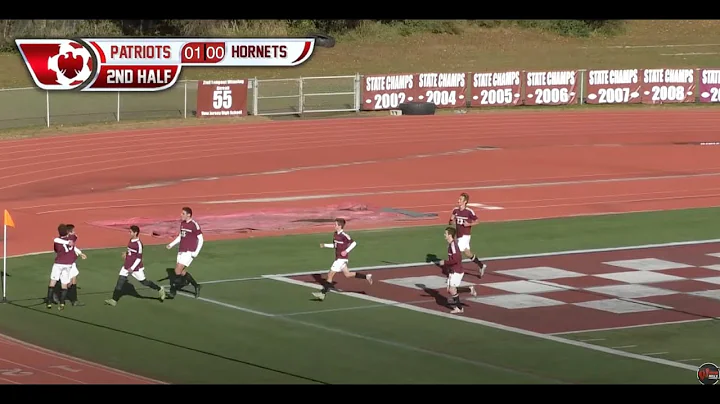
(64, 283)
(72, 290)
(454, 281)
(54, 278)
(140, 276)
(119, 285)
(188, 278)
(464, 244)
(348, 274)
(327, 284)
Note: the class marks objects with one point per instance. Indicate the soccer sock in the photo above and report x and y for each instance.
(150, 284)
(72, 293)
(190, 279)
(51, 291)
(476, 260)
(455, 300)
(119, 287)
(361, 276)
(63, 296)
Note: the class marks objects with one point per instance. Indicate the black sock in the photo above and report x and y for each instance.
(72, 293)
(119, 287)
(476, 260)
(190, 279)
(63, 296)
(361, 276)
(456, 300)
(51, 291)
(150, 284)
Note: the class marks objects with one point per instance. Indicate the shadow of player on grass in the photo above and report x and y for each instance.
(440, 300)
(328, 286)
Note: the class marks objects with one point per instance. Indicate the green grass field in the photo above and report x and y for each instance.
(259, 331)
(653, 44)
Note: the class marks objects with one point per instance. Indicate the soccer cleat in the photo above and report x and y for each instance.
(197, 291)
(472, 290)
(482, 269)
(319, 295)
(457, 310)
(61, 307)
(161, 294)
(369, 278)
(111, 302)
(49, 305)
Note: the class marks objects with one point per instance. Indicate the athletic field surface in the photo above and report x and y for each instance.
(599, 231)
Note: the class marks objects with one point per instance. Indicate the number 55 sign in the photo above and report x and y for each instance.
(222, 98)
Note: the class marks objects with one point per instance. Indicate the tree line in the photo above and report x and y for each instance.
(12, 29)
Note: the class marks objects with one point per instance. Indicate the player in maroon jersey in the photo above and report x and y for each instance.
(191, 241)
(64, 258)
(343, 244)
(455, 269)
(133, 265)
(464, 218)
(72, 289)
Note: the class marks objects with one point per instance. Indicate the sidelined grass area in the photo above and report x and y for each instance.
(259, 331)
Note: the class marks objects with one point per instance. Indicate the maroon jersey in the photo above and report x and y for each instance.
(341, 241)
(454, 259)
(463, 216)
(64, 252)
(133, 259)
(189, 232)
(73, 238)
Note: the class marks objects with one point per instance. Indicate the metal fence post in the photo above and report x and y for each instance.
(582, 86)
(256, 92)
(117, 113)
(301, 98)
(357, 92)
(185, 102)
(47, 107)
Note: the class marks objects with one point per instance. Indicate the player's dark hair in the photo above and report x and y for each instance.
(187, 210)
(451, 231)
(70, 227)
(135, 229)
(465, 197)
(62, 230)
(340, 221)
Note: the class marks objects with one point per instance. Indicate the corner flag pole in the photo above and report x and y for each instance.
(7, 221)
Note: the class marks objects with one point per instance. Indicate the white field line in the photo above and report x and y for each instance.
(381, 341)
(500, 327)
(692, 45)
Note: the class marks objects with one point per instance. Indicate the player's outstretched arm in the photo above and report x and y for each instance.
(174, 242)
(201, 240)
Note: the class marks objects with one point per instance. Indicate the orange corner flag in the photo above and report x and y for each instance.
(8, 219)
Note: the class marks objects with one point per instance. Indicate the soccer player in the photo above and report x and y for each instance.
(343, 244)
(455, 271)
(464, 218)
(191, 242)
(72, 289)
(64, 258)
(133, 265)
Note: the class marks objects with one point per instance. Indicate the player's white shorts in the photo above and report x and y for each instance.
(455, 279)
(185, 258)
(464, 243)
(74, 271)
(60, 273)
(338, 265)
(138, 274)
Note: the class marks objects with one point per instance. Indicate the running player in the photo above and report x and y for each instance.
(64, 257)
(343, 244)
(455, 271)
(133, 265)
(191, 242)
(464, 218)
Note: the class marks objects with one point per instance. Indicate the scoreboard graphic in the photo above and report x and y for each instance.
(148, 64)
